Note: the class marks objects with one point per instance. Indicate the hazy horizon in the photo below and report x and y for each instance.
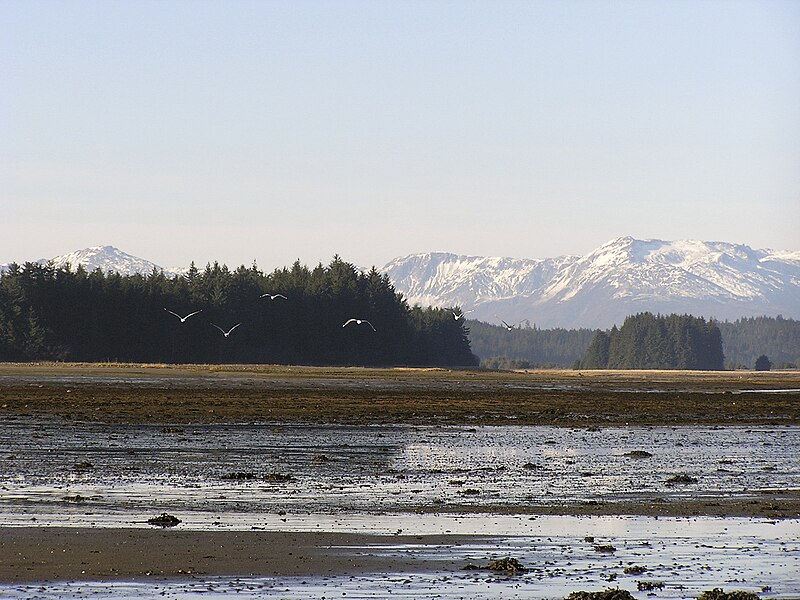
(272, 131)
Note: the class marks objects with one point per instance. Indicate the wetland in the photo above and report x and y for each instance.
(398, 478)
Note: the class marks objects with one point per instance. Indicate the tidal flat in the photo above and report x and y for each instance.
(296, 482)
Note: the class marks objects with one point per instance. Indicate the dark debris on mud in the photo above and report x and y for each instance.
(719, 594)
(634, 570)
(76, 499)
(609, 594)
(278, 478)
(238, 476)
(681, 479)
(639, 454)
(164, 520)
(507, 566)
(649, 586)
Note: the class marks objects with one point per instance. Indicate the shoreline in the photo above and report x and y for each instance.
(31, 555)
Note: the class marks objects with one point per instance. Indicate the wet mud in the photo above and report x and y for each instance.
(655, 483)
(266, 394)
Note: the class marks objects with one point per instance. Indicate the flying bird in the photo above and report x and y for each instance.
(183, 319)
(226, 333)
(359, 322)
(507, 326)
(273, 296)
(458, 316)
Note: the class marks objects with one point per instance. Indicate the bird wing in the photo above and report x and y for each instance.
(234, 327)
(368, 323)
(218, 327)
(279, 296)
(193, 313)
(506, 325)
(346, 323)
(172, 313)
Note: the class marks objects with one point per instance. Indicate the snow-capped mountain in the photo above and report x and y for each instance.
(622, 277)
(108, 259)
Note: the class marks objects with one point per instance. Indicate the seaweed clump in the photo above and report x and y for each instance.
(634, 570)
(639, 454)
(679, 479)
(164, 520)
(278, 478)
(609, 594)
(648, 586)
(508, 565)
(238, 476)
(719, 594)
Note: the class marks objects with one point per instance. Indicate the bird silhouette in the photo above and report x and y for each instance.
(273, 296)
(226, 333)
(183, 319)
(509, 327)
(358, 322)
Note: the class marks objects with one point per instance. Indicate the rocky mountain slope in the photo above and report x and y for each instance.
(621, 277)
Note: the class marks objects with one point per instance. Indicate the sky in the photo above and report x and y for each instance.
(271, 131)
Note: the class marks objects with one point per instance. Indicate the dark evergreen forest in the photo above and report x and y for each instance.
(647, 341)
(63, 314)
(527, 347)
(743, 341)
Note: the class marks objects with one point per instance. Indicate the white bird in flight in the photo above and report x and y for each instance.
(507, 326)
(226, 333)
(457, 316)
(183, 319)
(273, 296)
(359, 322)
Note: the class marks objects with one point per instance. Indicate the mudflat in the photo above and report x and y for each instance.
(115, 397)
(48, 554)
(274, 394)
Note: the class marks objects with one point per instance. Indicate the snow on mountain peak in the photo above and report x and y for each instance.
(107, 259)
(622, 276)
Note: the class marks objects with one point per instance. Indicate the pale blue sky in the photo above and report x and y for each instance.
(238, 130)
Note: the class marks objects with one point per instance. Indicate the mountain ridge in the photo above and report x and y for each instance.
(621, 277)
(108, 259)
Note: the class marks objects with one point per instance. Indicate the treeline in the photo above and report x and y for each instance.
(647, 341)
(527, 347)
(744, 340)
(61, 314)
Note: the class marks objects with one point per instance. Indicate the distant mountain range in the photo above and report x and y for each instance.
(621, 277)
(108, 259)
